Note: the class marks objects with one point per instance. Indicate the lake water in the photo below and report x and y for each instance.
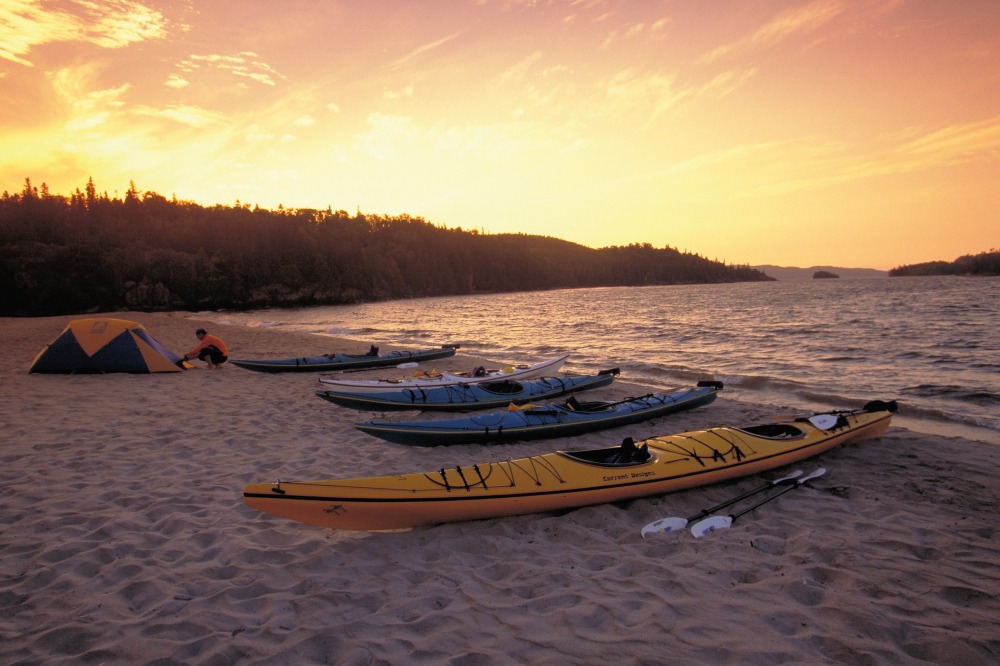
(932, 343)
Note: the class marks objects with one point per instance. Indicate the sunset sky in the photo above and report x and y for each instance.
(858, 133)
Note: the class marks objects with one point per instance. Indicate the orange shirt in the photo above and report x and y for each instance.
(210, 341)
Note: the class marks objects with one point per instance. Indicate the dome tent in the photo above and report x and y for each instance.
(105, 345)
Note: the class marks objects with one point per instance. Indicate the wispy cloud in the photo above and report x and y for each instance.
(90, 108)
(804, 19)
(117, 23)
(655, 93)
(112, 24)
(782, 167)
(386, 137)
(246, 64)
(86, 106)
(518, 72)
(958, 141)
(649, 96)
(406, 91)
(725, 83)
(420, 50)
(406, 140)
(917, 151)
(175, 81)
(190, 116)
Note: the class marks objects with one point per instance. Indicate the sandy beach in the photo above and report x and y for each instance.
(124, 538)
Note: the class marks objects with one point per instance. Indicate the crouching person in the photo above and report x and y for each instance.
(210, 349)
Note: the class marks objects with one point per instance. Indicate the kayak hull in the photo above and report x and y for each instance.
(540, 422)
(562, 479)
(462, 397)
(330, 362)
(431, 380)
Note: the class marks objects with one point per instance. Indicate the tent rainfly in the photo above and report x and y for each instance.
(106, 345)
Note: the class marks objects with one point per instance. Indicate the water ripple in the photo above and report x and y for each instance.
(809, 344)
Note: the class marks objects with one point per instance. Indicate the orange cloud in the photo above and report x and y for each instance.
(798, 20)
(246, 64)
(111, 24)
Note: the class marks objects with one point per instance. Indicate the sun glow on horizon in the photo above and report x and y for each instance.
(818, 132)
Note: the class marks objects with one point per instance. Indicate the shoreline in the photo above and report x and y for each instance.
(125, 540)
(918, 414)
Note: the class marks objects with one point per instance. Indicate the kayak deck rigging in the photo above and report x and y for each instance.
(565, 479)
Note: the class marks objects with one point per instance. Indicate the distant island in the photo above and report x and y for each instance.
(984, 263)
(787, 273)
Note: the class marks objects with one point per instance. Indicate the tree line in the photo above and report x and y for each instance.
(89, 252)
(984, 263)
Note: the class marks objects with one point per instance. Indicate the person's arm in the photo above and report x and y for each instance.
(194, 352)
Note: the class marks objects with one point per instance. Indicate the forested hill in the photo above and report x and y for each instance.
(984, 263)
(92, 253)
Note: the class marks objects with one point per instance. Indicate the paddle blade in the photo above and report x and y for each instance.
(819, 472)
(711, 524)
(824, 421)
(794, 475)
(664, 525)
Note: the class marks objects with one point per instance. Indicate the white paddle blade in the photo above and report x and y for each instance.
(794, 475)
(824, 421)
(664, 525)
(411, 364)
(820, 472)
(709, 525)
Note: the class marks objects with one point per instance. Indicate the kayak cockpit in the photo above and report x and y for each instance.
(774, 431)
(624, 455)
(592, 407)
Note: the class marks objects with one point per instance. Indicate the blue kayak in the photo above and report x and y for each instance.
(328, 362)
(536, 422)
(463, 397)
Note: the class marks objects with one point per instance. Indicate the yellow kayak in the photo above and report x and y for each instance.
(565, 479)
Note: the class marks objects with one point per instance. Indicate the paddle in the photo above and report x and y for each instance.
(404, 366)
(675, 524)
(708, 525)
(594, 406)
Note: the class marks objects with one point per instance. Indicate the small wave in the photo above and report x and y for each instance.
(347, 332)
(762, 382)
(982, 398)
(953, 392)
(793, 330)
(952, 345)
(838, 401)
(646, 374)
(410, 336)
(922, 412)
(931, 390)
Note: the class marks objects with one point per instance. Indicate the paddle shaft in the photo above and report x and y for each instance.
(749, 493)
(778, 494)
(605, 405)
